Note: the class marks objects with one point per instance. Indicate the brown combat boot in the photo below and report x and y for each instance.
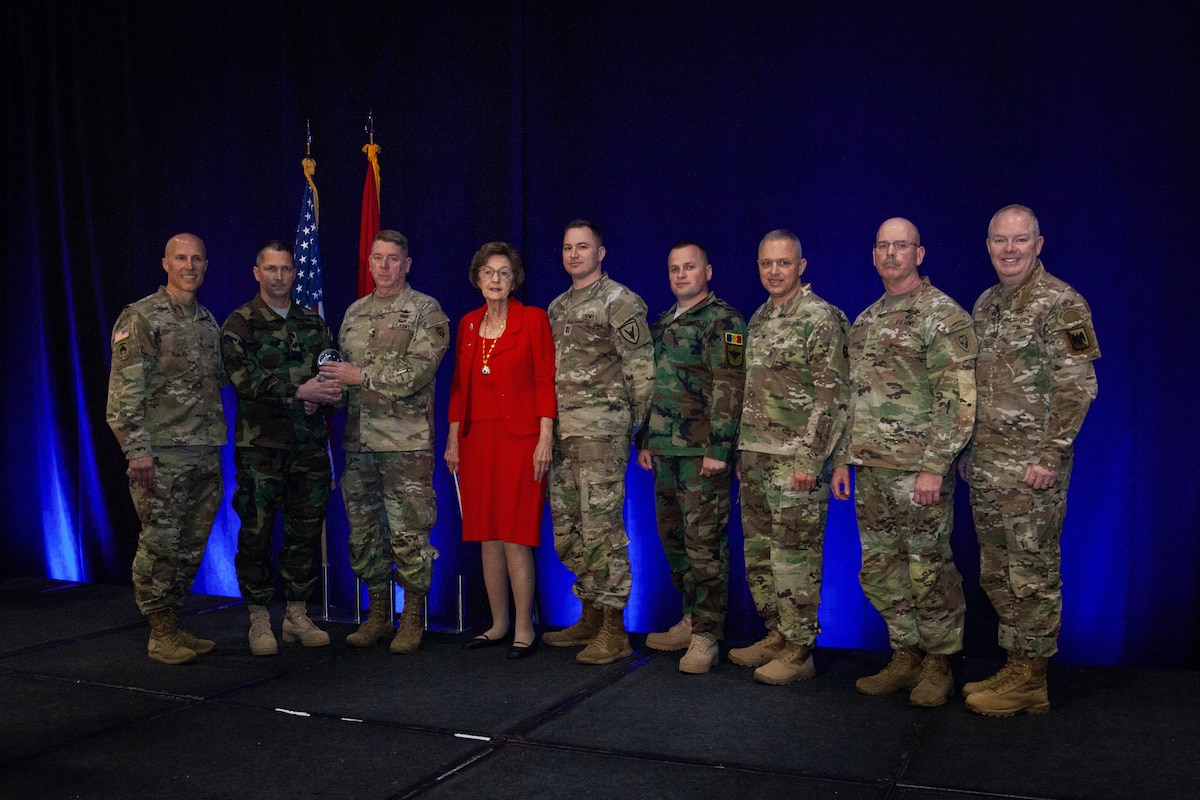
(377, 627)
(297, 627)
(582, 632)
(902, 672)
(703, 654)
(408, 638)
(759, 653)
(610, 643)
(677, 637)
(164, 644)
(936, 683)
(190, 641)
(794, 663)
(1023, 689)
(262, 638)
(971, 688)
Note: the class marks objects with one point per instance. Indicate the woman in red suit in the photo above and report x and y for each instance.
(502, 410)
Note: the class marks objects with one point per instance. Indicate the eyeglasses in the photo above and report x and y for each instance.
(901, 246)
(503, 274)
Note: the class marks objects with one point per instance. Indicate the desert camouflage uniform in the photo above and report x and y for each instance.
(604, 362)
(699, 356)
(280, 451)
(793, 415)
(1035, 381)
(388, 484)
(912, 360)
(164, 400)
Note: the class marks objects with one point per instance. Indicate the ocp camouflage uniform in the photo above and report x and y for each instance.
(912, 360)
(792, 417)
(280, 452)
(164, 400)
(1036, 381)
(604, 362)
(699, 355)
(388, 483)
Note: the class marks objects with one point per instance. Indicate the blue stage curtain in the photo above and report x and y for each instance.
(708, 121)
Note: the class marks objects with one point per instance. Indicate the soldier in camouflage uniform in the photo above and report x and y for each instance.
(1035, 381)
(270, 347)
(164, 406)
(912, 366)
(688, 440)
(393, 340)
(793, 415)
(604, 371)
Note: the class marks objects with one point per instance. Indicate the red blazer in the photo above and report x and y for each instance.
(522, 368)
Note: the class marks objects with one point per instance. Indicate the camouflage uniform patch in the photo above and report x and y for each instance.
(392, 509)
(177, 514)
(587, 498)
(914, 404)
(784, 534)
(908, 570)
(399, 343)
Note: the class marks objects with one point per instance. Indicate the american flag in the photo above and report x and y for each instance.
(307, 290)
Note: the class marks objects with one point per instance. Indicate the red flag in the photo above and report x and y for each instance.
(369, 226)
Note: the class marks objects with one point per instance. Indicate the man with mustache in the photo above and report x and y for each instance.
(912, 408)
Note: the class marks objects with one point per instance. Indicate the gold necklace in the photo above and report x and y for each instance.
(486, 350)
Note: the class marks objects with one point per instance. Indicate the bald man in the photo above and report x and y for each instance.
(912, 408)
(164, 406)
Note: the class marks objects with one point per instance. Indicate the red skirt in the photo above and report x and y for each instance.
(500, 499)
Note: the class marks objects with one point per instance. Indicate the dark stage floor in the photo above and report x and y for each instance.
(85, 714)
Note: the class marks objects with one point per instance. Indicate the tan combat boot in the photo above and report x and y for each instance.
(190, 641)
(297, 627)
(971, 688)
(1023, 689)
(936, 683)
(610, 643)
(760, 652)
(677, 637)
(582, 632)
(377, 627)
(902, 672)
(408, 638)
(262, 639)
(794, 663)
(703, 654)
(164, 642)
